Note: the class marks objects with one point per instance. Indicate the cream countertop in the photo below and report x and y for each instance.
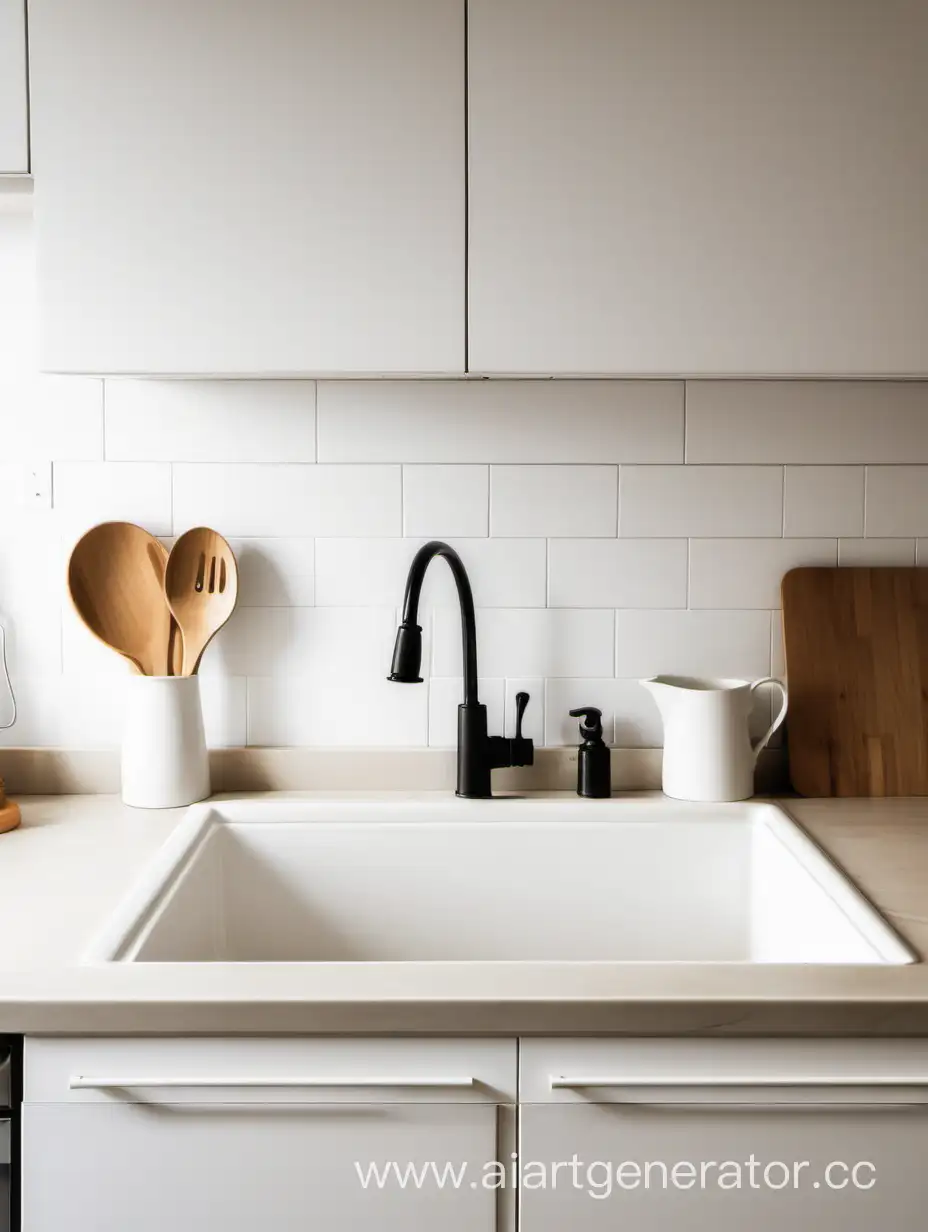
(74, 858)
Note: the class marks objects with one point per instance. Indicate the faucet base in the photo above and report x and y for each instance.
(473, 763)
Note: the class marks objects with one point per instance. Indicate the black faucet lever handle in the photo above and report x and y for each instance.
(521, 703)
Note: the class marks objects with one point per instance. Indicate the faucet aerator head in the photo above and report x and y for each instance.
(407, 655)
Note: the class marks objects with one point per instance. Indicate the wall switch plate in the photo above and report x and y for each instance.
(37, 485)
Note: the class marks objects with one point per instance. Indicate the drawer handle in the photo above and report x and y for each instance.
(81, 1082)
(561, 1083)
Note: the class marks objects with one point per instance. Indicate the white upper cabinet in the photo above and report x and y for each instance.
(14, 118)
(698, 187)
(252, 187)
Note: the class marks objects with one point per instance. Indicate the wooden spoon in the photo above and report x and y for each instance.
(201, 585)
(116, 583)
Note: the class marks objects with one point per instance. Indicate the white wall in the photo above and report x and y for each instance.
(612, 530)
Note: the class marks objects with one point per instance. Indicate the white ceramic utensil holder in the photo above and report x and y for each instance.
(164, 758)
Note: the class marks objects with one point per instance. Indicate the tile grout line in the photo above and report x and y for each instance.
(689, 567)
(866, 498)
(466, 187)
(103, 414)
(686, 386)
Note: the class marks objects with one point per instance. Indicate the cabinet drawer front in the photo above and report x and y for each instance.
(757, 1072)
(723, 1170)
(263, 1071)
(189, 1169)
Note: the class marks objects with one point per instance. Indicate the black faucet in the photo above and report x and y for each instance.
(478, 753)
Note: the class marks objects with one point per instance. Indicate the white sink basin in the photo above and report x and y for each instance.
(264, 881)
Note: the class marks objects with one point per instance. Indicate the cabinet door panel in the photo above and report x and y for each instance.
(249, 188)
(696, 187)
(893, 1140)
(14, 124)
(286, 1168)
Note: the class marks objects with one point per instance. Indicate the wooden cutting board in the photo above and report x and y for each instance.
(857, 661)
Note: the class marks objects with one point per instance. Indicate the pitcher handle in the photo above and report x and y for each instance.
(778, 721)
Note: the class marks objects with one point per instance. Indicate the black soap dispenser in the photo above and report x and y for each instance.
(594, 765)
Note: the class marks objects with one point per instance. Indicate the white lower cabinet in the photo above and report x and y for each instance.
(283, 1167)
(669, 1134)
(654, 1135)
(195, 1134)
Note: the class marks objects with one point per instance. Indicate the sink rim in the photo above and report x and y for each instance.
(125, 928)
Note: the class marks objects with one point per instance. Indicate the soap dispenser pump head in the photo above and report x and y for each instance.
(592, 726)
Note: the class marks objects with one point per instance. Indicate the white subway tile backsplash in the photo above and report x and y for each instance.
(33, 638)
(503, 573)
(315, 711)
(617, 572)
(81, 653)
(59, 418)
(445, 695)
(562, 696)
(829, 422)
(442, 501)
(746, 573)
(65, 711)
(528, 421)
(675, 501)
(18, 318)
(638, 723)
(86, 493)
(265, 500)
(224, 711)
(824, 500)
(320, 643)
(255, 641)
(362, 572)
(875, 552)
(211, 421)
(275, 572)
(723, 643)
(86, 711)
(553, 500)
(528, 642)
(777, 648)
(31, 591)
(897, 500)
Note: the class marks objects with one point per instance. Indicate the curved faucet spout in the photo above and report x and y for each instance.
(407, 656)
(478, 752)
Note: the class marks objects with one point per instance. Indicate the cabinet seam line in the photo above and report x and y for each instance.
(466, 189)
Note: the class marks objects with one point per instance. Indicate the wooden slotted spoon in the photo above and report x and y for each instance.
(201, 585)
(116, 583)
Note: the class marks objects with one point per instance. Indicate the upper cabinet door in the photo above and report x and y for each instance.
(14, 121)
(698, 187)
(255, 187)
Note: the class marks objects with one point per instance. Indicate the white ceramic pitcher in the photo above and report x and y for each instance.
(708, 752)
